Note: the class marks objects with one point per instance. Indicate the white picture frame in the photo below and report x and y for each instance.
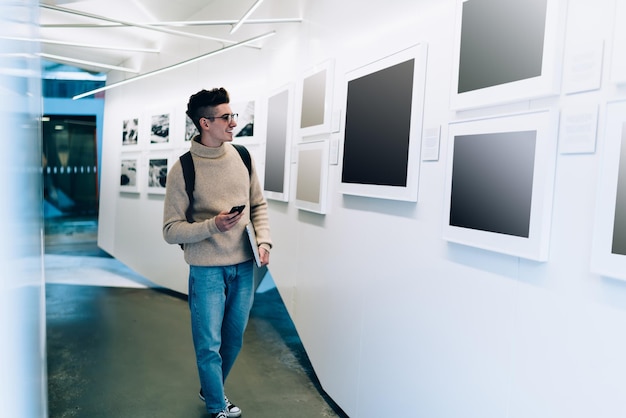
(608, 253)
(247, 130)
(500, 182)
(276, 179)
(314, 100)
(160, 128)
(488, 68)
(312, 176)
(157, 165)
(131, 133)
(130, 172)
(382, 144)
(190, 129)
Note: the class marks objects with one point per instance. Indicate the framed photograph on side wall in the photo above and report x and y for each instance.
(608, 255)
(383, 126)
(506, 51)
(244, 132)
(160, 124)
(190, 129)
(278, 144)
(158, 165)
(129, 167)
(315, 100)
(130, 132)
(312, 183)
(500, 181)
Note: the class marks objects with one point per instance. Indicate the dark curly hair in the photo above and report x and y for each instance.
(201, 104)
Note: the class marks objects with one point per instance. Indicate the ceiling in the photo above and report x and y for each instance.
(118, 35)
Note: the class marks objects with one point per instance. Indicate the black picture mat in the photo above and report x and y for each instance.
(502, 41)
(275, 152)
(378, 124)
(619, 223)
(492, 181)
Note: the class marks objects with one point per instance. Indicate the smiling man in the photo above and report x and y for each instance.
(216, 247)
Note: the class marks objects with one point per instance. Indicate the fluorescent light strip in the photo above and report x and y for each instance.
(246, 16)
(137, 25)
(181, 23)
(172, 67)
(92, 46)
(91, 63)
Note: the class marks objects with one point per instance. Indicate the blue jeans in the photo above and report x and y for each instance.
(220, 299)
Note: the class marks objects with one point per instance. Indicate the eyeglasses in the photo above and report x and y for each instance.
(228, 118)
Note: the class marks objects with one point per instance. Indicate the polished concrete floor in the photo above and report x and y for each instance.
(119, 347)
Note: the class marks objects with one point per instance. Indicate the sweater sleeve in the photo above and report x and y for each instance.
(176, 229)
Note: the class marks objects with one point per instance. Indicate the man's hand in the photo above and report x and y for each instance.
(225, 221)
(264, 255)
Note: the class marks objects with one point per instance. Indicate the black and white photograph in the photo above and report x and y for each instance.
(160, 129)
(157, 175)
(128, 174)
(130, 131)
(245, 120)
(190, 129)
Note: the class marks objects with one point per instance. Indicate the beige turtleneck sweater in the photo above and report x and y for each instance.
(222, 181)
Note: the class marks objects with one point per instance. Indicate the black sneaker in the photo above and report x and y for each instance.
(219, 415)
(233, 411)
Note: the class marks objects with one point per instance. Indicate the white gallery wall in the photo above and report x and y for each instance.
(394, 317)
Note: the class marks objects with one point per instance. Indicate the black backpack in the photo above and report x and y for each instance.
(189, 174)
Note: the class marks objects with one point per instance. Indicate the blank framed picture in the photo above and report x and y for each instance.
(608, 255)
(383, 127)
(312, 183)
(506, 50)
(315, 99)
(499, 183)
(278, 144)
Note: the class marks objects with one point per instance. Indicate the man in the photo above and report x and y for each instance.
(216, 247)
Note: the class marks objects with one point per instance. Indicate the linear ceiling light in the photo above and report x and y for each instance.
(180, 23)
(137, 25)
(90, 63)
(246, 16)
(172, 67)
(78, 44)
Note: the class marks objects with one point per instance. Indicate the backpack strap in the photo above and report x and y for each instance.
(245, 156)
(189, 174)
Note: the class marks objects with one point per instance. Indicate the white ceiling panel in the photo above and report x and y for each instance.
(92, 34)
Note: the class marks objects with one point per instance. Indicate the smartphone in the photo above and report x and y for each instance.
(237, 209)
